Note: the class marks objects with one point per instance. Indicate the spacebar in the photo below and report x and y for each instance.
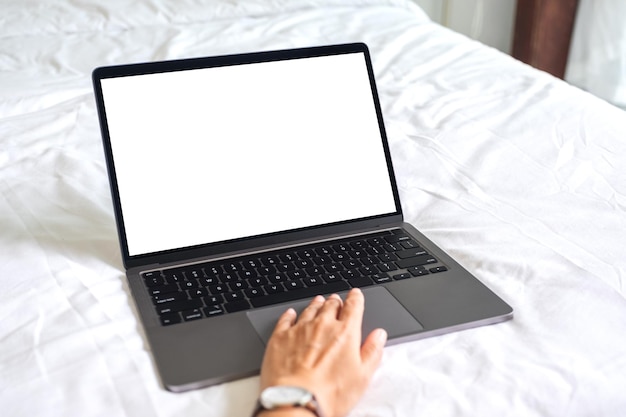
(293, 295)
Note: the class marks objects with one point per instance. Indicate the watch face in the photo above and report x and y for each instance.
(281, 396)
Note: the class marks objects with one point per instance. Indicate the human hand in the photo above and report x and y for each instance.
(322, 352)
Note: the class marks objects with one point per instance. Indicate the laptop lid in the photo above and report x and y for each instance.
(219, 154)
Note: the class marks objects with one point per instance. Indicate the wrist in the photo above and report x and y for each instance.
(287, 400)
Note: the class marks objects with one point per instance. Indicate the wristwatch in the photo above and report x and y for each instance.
(282, 396)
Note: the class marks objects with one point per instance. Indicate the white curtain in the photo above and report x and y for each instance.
(597, 59)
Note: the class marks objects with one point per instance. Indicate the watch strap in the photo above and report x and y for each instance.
(312, 406)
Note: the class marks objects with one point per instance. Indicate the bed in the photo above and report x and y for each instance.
(517, 174)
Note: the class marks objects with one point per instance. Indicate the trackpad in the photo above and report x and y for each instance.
(381, 310)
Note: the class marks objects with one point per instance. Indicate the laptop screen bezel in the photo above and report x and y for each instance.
(252, 242)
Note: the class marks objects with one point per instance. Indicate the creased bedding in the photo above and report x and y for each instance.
(517, 174)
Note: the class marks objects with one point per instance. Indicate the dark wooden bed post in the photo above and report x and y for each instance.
(543, 31)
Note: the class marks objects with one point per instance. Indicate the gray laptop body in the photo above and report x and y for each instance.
(244, 184)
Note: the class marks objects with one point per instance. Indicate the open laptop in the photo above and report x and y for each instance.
(245, 184)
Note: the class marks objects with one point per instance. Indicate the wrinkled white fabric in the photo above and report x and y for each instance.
(517, 174)
(597, 55)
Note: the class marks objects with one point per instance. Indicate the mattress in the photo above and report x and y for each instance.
(518, 175)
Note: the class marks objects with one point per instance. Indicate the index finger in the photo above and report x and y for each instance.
(285, 321)
(353, 307)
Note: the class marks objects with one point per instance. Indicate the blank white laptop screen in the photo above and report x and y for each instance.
(215, 154)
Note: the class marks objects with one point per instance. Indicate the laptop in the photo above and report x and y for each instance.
(246, 184)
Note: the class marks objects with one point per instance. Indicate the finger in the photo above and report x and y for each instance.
(336, 297)
(372, 350)
(331, 306)
(311, 310)
(286, 320)
(353, 308)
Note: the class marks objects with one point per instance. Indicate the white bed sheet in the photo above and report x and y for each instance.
(518, 175)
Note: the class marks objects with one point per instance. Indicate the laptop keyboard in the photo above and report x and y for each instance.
(235, 284)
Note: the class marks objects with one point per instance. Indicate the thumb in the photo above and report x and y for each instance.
(372, 350)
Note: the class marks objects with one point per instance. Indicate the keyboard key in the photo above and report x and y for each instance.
(287, 257)
(232, 267)
(352, 263)
(276, 278)
(368, 270)
(214, 310)
(403, 275)
(228, 277)
(253, 292)
(339, 257)
(212, 280)
(380, 278)
(175, 306)
(247, 274)
(266, 270)
(169, 297)
(303, 263)
(194, 314)
(400, 237)
(334, 267)
(153, 279)
(351, 274)
(171, 318)
(198, 292)
(189, 284)
(174, 275)
(438, 269)
(315, 270)
(409, 244)
(251, 263)
(269, 260)
(356, 254)
(306, 254)
(313, 281)
(234, 296)
(211, 300)
(213, 269)
(238, 285)
(332, 277)
(285, 266)
(391, 248)
(163, 289)
(322, 260)
(418, 271)
(296, 274)
(387, 266)
(293, 284)
(376, 241)
(361, 282)
(341, 247)
(193, 273)
(274, 288)
(375, 250)
(387, 257)
(151, 274)
(282, 297)
(257, 281)
(370, 260)
(323, 251)
(237, 306)
(416, 261)
(218, 289)
(410, 253)
(359, 244)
